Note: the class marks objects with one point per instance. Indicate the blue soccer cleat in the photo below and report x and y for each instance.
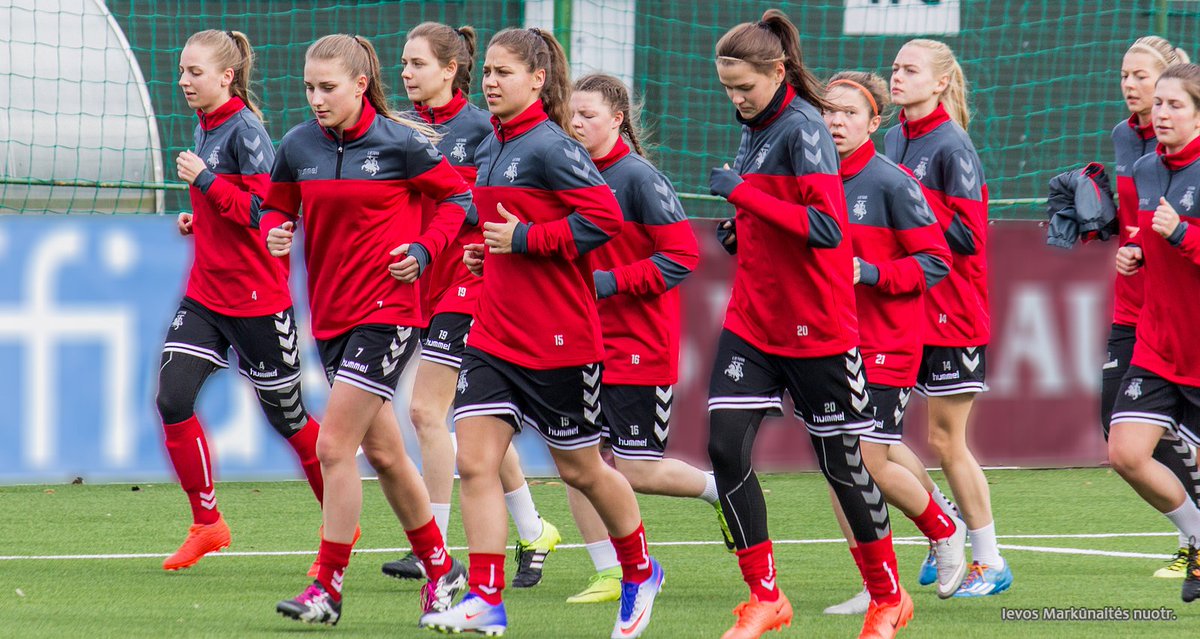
(983, 580)
(637, 601)
(472, 614)
(928, 573)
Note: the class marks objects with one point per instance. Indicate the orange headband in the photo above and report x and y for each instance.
(870, 99)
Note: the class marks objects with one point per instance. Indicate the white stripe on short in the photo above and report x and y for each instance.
(363, 383)
(196, 351)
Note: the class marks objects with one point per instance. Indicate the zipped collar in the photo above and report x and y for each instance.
(619, 150)
(1143, 132)
(359, 129)
(440, 114)
(220, 115)
(1182, 159)
(857, 160)
(913, 129)
(522, 123)
(783, 97)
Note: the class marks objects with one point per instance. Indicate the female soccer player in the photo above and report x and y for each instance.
(1145, 60)
(533, 355)
(437, 76)
(635, 277)
(899, 253)
(931, 141)
(791, 221)
(237, 295)
(359, 173)
(1161, 390)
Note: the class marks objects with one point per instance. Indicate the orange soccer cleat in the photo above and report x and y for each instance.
(756, 617)
(884, 621)
(201, 540)
(316, 564)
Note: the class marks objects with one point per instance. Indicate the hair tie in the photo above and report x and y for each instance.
(231, 36)
(852, 83)
(763, 24)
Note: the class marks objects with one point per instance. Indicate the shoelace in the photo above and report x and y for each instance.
(313, 592)
(975, 575)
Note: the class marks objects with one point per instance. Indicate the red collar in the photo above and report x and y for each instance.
(619, 150)
(220, 115)
(521, 123)
(359, 129)
(857, 160)
(917, 128)
(1143, 132)
(440, 114)
(1176, 161)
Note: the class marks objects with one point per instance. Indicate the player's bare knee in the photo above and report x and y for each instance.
(642, 475)
(426, 418)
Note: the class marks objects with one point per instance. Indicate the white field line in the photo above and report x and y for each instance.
(904, 541)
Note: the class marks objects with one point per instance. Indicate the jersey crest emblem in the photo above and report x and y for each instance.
(371, 164)
(511, 171)
(922, 169)
(178, 321)
(459, 152)
(860, 207)
(1134, 390)
(734, 370)
(462, 382)
(213, 158)
(1189, 199)
(761, 156)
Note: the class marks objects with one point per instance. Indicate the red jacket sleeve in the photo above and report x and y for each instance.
(236, 201)
(676, 255)
(452, 198)
(1190, 246)
(928, 261)
(596, 219)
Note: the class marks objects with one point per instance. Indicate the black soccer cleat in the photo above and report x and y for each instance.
(1191, 582)
(407, 567)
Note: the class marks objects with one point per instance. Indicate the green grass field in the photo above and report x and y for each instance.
(234, 595)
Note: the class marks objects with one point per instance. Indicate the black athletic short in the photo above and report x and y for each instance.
(952, 370)
(446, 338)
(1120, 352)
(830, 393)
(563, 404)
(890, 403)
(1147, 398)
(267, 348)
(636, 420)
(370, 357)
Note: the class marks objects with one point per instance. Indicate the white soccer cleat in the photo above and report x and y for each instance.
(856, 605)
(951, 554)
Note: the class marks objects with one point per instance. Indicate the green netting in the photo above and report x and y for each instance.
(1043, 74)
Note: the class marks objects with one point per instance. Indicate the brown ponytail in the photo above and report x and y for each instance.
(448, 44)
(232, 50)
(763, 44)
(539, 50)
(616, 96)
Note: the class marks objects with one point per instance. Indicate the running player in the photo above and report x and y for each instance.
(533, 356)
(791, 222)
(1145, 60)
(437, 76)
(635, 277)
(932, 143)
(237, 295)
(899, 253)
(1161, 390)
(359, 173)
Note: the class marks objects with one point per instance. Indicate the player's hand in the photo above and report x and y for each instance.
(1129, 260)
(723, 180)
(184, 224)
(857, 270)
(279, 239)
(497, 236)
(407, 269)
(473, 258)
(188, 165)
(1166, 220)
(727, 235)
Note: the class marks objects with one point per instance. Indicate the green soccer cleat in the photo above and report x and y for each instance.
(531, 555)
(602, 587)
(1176, 568)
(726, 534)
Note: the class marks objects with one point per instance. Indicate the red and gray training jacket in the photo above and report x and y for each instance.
(1130, 142)
(903, 254)
(449, 286)
(361, 195)
(636, 273)
(793, 292)
(1165, 344)
(537, 305)
(232, 273)
(939, 153)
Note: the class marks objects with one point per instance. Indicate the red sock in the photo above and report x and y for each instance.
(879, 570)
(486, 577)
(758, 570)
(427, 544)
(188, 450)
(333, 559)
(934, 523)
(858, 560)
(304, 442)
(633, 555)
